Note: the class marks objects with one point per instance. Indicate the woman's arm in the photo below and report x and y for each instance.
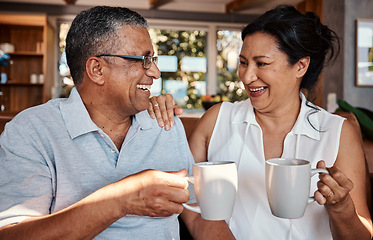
(200, 138)
(344, 191)
(163, 108)
(200, 228)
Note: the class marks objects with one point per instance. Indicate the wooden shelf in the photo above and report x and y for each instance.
(7, 115)
(25, 53)
(15, 84)
(34, 43)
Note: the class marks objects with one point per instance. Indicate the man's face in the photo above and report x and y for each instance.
(127, 83)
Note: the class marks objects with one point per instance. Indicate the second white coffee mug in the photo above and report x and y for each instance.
(288, 183)
(215, 187)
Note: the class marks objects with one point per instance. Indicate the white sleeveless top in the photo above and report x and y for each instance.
(238, 137)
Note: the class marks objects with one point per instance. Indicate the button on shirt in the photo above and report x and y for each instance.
(53, 155)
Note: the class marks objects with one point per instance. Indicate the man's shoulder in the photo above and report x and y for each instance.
(45, 108)
(38, 116)
(146, 122)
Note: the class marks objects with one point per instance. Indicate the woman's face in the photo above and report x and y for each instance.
(266, 74)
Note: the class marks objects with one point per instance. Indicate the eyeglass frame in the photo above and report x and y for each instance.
(154, 59)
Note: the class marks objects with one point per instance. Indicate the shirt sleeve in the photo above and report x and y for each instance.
(25, 178)
(189, 158)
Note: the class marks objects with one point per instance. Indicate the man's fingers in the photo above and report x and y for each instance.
(177, 179)
(167, 209)
(159, 194)
(181, 173)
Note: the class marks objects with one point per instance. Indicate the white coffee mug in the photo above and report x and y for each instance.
(215, 187)
(288, 183)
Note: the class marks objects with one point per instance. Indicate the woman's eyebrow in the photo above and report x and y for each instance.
(257, 57)
(242, 57)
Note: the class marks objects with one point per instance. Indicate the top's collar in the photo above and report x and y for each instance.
(307, 122)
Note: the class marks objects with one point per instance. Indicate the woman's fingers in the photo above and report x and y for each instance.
(169, 111)
(163, 108)
(341, 178)
(333, 187)
(154, 111)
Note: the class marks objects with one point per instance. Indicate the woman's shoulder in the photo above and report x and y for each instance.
(323, 117)
(221, 113)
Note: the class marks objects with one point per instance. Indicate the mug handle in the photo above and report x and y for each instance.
(196, 209)
(313, 172)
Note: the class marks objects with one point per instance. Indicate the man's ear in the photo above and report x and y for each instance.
(302, 65)
(94, 66)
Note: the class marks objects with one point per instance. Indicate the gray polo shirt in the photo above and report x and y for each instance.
(53, 155)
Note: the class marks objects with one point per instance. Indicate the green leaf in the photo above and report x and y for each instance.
(366, 123)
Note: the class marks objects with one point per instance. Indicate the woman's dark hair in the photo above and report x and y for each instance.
(95, 31)
(299, 35)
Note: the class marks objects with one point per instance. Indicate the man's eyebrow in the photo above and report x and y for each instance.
(148, 53)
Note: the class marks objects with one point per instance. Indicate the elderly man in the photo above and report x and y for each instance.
(94, 165)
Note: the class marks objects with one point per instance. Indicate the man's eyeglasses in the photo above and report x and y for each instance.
(146, 60)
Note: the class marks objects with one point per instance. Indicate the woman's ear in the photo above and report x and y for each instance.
(94, 70)
(302, 65)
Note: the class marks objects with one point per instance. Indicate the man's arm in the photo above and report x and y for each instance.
(148, 193)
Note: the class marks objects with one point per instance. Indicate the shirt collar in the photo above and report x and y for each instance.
(244, 113)
(307, 123)
(143, 120)
(76, 116)
(78, 121)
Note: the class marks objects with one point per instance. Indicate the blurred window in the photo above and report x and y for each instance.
(183, 62)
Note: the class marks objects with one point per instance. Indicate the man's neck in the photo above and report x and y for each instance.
(116, 128)
(113, 123)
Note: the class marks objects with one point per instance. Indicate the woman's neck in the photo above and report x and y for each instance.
(279, 119)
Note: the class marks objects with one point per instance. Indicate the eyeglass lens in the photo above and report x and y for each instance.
(148, 61)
